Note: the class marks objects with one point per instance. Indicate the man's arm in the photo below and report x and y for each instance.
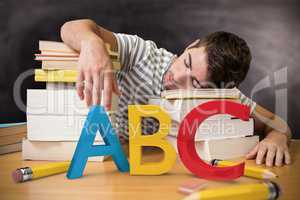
(73, 33)
(94, 64)
(274, 147)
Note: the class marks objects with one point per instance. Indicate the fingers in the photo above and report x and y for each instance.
(253, 152)
(270, 156)
(115, 87)
(279, 157)
(92, 87)
(88, 86)
(107, 89)
(94, 82)
(273, 150)
(287, 157)
(80, 85)
(93, 60)
(261, 154)
(96, 89)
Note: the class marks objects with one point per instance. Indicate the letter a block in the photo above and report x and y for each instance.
(97, 119)
(137, 140)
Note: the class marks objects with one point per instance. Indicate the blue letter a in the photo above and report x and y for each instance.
(97, 119)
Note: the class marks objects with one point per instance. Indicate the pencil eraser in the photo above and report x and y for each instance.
(17, 176)
(192, 186)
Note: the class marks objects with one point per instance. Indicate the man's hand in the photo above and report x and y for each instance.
(273, 150)
(94, 64)
(95, 73)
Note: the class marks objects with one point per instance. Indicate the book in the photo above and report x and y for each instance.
(10, 148)
(12, 139)
(69, 76)
(55, 58)
(55, 101)
(55, 127)
(68, 64)
(12, 133)
(179, 108)
(56, 54)
(224, 149)
(60, 76)
(58, 51)
(59, 100)
(233, 93)
(55, 46)
(13, 124)
(60, 86)
(61, 107)
(12, 129)
(219, 129)
(61, 57)
(52, 151)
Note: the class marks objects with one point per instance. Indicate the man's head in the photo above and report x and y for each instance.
(220, 59)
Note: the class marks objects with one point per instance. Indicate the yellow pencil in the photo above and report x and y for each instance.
(254, 191)
(250, 171)
(29, 173)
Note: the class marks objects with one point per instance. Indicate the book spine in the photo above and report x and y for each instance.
(200, 148)
(60, 86)
(59, 102)
(10, 148)
(69, 65)
(55, 128)
(58, 79)
(231, 148)
(52, 151)
(220, 129)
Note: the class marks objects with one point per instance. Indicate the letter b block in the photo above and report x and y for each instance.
(137, 140)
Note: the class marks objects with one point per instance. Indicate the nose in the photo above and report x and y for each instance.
(183, 78)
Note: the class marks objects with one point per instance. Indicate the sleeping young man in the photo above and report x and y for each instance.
(220, 60)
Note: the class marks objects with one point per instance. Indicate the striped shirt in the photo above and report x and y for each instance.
(141, 76)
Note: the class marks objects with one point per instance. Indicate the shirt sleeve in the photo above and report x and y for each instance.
(248, 102)
(131, 49)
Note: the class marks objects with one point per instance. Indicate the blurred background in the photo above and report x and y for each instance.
(271, 28)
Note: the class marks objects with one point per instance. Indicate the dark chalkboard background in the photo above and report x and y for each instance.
(271, 28)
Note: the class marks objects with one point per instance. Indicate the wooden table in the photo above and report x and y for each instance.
(103, 181)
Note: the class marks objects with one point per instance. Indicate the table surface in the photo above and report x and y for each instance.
(104, 181)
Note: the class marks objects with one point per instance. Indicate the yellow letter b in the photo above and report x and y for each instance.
(137, 140)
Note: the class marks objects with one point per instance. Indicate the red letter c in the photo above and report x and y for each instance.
(186, 138)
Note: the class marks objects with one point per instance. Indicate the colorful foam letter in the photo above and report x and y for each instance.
(97, 119)
(137, 140)
(186, 137)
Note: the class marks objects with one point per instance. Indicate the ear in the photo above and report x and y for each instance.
(192, 44)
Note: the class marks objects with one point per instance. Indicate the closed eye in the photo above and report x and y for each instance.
(188, 65)
(196, 84)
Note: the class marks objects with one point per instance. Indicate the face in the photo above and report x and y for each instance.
(188, 71)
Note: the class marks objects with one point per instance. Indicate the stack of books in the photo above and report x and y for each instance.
(56, 115)
(59, 62)
(54, 54)
(11, 136)
(218, 137)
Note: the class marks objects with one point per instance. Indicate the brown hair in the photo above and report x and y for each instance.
(228, 58)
